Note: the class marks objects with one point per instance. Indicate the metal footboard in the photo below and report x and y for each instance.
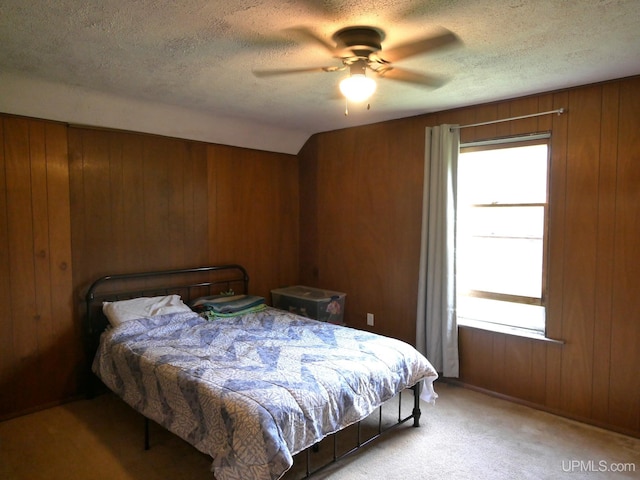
(415, 415)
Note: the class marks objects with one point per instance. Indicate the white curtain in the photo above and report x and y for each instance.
(437, 330)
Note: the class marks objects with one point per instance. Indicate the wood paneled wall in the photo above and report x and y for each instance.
(361, 224)
(115, 202)
(138, 202)
(141, 202)
(361, 208)
(254, 214)
(39, 341)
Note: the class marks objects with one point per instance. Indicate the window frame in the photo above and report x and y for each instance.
(541, 138)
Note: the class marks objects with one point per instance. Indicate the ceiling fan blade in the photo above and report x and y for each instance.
(288, 71)
(403, 75)
(308, 35)
(444, 39)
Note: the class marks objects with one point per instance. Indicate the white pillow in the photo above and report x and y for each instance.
(125, 310)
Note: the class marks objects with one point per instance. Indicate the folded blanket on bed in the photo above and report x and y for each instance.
(213, 315)
(227, 304)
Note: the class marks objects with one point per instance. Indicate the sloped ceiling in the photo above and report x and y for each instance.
(184, 68)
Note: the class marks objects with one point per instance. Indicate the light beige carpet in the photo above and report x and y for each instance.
(466, 435)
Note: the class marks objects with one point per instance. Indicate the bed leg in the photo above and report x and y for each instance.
(146, 433)
(416, 405)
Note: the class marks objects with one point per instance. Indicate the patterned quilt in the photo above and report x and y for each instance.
(254, 390)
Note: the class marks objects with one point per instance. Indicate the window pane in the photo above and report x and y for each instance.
(501, 265)
(504, 175)
(500, 249)
(523, 222)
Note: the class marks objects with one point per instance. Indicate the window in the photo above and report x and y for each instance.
(501, 233)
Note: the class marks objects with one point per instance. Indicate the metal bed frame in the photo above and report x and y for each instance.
(415, 415)
(190, 283)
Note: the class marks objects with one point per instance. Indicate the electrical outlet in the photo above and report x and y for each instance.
(370, 319)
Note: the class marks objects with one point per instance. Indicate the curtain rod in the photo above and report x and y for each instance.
(559, 111)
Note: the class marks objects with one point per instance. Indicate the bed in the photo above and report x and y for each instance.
(249, 385)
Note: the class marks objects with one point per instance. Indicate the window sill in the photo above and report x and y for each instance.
(507, 330)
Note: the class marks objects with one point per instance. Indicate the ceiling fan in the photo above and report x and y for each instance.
(359, 49)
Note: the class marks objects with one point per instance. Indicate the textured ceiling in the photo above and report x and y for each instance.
(185, 68)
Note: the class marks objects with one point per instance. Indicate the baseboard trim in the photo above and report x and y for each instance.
(560, 413)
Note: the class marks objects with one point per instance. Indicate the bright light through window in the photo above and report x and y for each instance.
(501, 233)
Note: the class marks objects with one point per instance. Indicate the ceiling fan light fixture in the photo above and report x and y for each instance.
(357, 87)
